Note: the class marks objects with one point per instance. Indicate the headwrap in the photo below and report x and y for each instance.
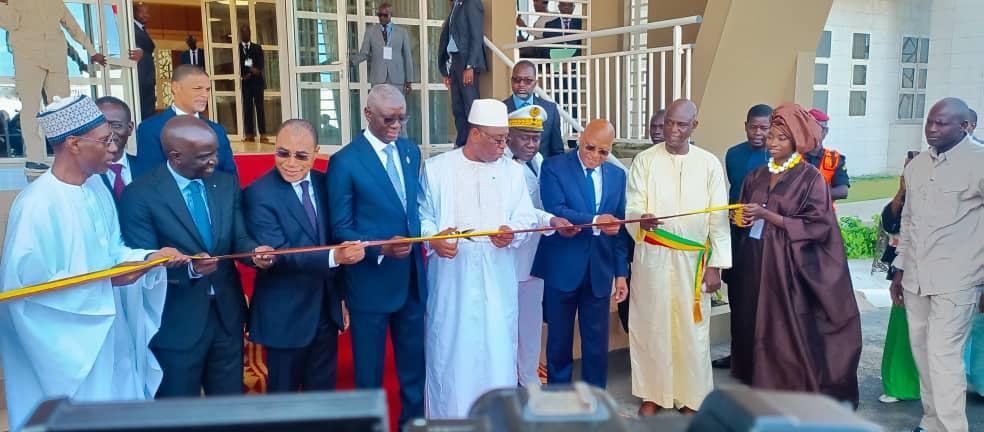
(794, 122)
(69, 116)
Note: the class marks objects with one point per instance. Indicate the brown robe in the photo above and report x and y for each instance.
(796, 324)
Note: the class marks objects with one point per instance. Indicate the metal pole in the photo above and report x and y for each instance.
(677, 48)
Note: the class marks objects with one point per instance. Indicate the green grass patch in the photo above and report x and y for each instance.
(871, 188)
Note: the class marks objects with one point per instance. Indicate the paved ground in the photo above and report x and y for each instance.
(863, 210)
(872, 293)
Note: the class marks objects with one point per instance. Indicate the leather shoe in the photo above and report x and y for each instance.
(722, 363)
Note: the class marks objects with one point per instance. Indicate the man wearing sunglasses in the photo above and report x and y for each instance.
(524, 95)
(296, 311)
(372, 195)
(120, 122)
(578, 272)
(387, 47)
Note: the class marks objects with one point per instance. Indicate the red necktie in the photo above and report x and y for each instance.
(118, 183)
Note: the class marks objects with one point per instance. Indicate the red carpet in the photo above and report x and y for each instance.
(251, 167)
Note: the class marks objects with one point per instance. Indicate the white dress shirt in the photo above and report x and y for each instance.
(125, 172)
(300, 197)
(178, 111)
(380, 147)
(596, 178)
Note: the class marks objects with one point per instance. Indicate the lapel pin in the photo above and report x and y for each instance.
(408, 160)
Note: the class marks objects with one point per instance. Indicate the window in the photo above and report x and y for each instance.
(823, 47)
(861, 48)
(860, 55)
(821, 72)
(914, 60)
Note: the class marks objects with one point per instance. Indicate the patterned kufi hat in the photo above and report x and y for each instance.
(71, 116)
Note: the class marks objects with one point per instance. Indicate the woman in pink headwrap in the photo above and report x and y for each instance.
(792, 295)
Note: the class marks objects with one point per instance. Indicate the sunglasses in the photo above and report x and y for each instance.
(520, 80)
(591, 148)
(390, 120)
(382, 15)
(302, 156)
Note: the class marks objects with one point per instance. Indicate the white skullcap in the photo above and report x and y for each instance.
(488, 112)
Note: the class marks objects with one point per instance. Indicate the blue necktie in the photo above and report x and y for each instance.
(589, 190)
(199, 213)
(394, 175)
(309, 205)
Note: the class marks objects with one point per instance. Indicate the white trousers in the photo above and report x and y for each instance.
(530, 331)
(938, 329)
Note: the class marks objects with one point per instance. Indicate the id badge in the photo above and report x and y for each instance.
(756, 230)
(248, 62)
(387, 53)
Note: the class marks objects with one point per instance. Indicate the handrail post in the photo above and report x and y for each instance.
(677, 51)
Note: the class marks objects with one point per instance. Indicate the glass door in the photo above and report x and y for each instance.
(118, 77)
(318, 75)
(222, 63)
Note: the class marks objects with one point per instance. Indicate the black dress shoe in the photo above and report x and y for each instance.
(722, 363)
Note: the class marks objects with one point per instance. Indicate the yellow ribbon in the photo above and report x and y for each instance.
(80, 279)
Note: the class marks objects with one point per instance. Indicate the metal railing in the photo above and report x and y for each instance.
(600, 85)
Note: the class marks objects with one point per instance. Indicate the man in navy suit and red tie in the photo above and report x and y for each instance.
(578, 272)
(372, 194)
(296, 311)
(120, 121)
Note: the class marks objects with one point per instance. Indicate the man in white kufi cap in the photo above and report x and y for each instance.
(472, 311)
(88, 342)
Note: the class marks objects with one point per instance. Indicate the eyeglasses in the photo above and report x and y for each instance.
(113, 139)
(390, 120)
(591, 148)
(498, 140)
(117, 125)
(521, 80)
(382, 15)
(302, 156)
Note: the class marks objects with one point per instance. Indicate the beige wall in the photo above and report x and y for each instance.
(747, 52)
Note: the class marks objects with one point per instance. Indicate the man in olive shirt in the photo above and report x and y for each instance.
(939, 268)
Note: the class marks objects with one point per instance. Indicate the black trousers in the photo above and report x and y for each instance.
(462, 97)
(214, 363)
(148, 101)
(310, 368)
(253, 102)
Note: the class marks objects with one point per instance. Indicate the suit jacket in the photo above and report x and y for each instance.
(200, 57)
(562, 262)
(149, 152)
(290, 297)
(132, 160)
(397, 71)
(556, 23)
(467, 26)
(153, 215)
(364, 206)
(255, 52)
(551, 141)
(146, 72)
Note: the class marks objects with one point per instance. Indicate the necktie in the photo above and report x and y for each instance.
(199, 213)
(385, 36)
(194, 57)
(567, 23)
(308, 205)
(118, 182)
(394, 176)
(589, 190)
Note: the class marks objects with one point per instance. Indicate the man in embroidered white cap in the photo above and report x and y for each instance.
(471, 328)
(88, 342)
(525, 131)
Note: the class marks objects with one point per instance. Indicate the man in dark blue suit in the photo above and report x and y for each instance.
(296, 310)
(578, 272)
(461, 58)
(524, 94)
(146, 71)
(191, 88)
(120, 121)
(372, 194)
(194, 56)
(184, 204)
(565, 25)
